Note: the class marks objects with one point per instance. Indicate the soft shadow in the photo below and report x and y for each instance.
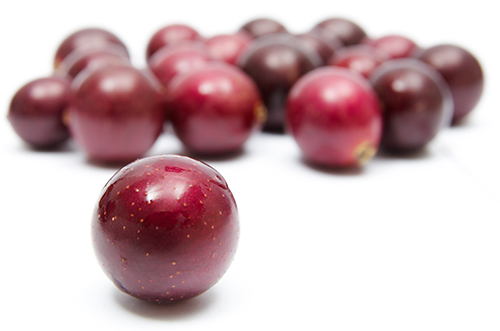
(65, 147)
(170, 311)
(274, 131)
(349, 171)
(418, 154)
(461, 123)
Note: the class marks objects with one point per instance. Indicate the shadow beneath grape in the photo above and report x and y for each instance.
(418, 154)
(274, 131)
(171, 311)
(461, 123)
(339, 171)
(65, 147)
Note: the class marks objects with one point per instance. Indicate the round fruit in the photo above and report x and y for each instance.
(363, 59)
(275, 63)
(331, 39)
(170, 61)
(170, 35)
(262, 26)
(334, 116)
(227, 47)
(36, 112)
(317, 44)
(416, 103)
(461, 71)
(165, 228)
(347, 31)
(81, 59)
(116, 113)
(214, 110)
(90, 38)
(395, 46)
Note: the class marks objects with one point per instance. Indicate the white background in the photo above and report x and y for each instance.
(407, 243)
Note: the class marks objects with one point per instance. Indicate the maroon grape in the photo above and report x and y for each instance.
(275, 63)
(170, 61)
(81, 59)
(116, 114)
(346, 30)
(363, 59)
(262, 26)
(170, 35)
(165, 228)
(395, 46)
(36, 112)
(89, 38)
(215, 109)
(461, 71)
(416, 103)
(334, 116)
(227, 47)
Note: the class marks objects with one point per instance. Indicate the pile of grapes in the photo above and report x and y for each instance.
(341, 94)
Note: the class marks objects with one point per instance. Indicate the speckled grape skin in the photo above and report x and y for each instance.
(334, 116)
(165, 228)
(116, 113)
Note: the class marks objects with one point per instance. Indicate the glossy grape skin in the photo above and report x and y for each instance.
(346, 30)
(116, 114)
(334, 116)
(36, 112)
(165, 228)
(171, 35)
(81, 59)
(227, 47)
(214, 110)
(88, 38)
(275, 63)
(321, 46)
(462, 72)
(363, 59)
(170, 61)
(396, 46)
(416, 104)
(262, 26)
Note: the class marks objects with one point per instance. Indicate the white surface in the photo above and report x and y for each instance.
(404, 244)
